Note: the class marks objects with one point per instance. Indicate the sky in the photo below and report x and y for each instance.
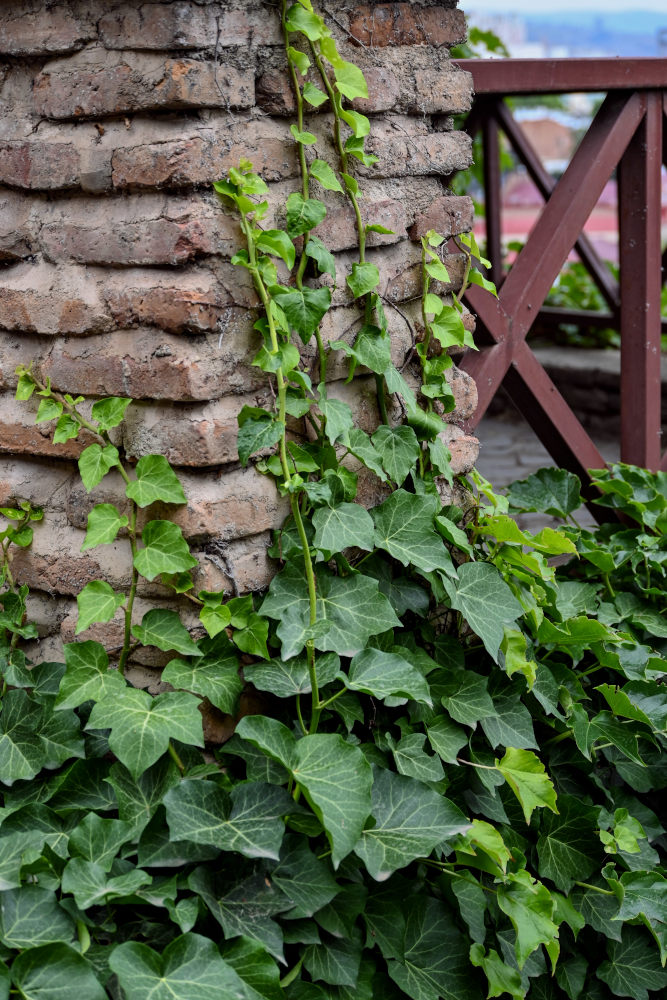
(544, 6)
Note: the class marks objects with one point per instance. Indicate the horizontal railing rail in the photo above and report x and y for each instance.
(626, 138)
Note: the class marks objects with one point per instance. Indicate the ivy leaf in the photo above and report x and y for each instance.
(110, 412)
(277, 243)
(252, 638)
(190, 968)
(320, 169)
(97, 602)
(142, 726)
(87, 677)
(446, 738)
(384, 675)
(95, 462)
(338, 416)
(31, 916)
(398, 449)
(338, 528)
(511, 724)
(363, 279)
(525, 774)
(104, 523)
(530, 907)
(305, 879)
(568, 848)
(165, 550)
(54, 971)
(138, 798)
(49, 409)
(303, 308)
(155, 480)
(216, 678)
(305, 21)
(316, 99)
(325, 260)
(350, 80)
(256, 968)
(404, 529)
(98, 840)
(410, 821)
(633, 966)
(336, 963)
(571, 976)
(21, 753)
(434, 963)
(258, 429)
(354, 608)
(285, 679)
(485, 601)
(501, 978)
(549, 491)
(303, 214)
(165, 630)
(465, 696)
(335, 777)
(412, 760)
(66, 429)
(249, 821)
(91, 886)
(643, 894)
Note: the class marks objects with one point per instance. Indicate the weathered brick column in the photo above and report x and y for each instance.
(116, 118)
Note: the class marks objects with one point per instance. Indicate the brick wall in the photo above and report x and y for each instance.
(116, 277)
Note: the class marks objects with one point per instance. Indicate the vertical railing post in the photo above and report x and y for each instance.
(492, 191)
(639, 210)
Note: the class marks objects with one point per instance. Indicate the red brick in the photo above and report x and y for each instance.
(39, 165)
(464, 449)
(197, 160)
(438, 91)
(17, 229)
(339, 230)
(188, 26)
(448, 215)
(192, 302)
(38, 298)
(48, 29)
(19, 435)
(406, 24)
(92, 84)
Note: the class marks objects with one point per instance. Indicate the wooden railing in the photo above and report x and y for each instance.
(627, 137)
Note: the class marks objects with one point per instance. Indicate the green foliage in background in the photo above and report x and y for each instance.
(449, 786)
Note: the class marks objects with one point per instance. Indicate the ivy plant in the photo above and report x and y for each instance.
(439, 751)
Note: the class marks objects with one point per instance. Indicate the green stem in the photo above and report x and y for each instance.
(304, 728)
(607, 583)
(426, 284)
(466, 275)
(127, 635)
(312, 600)
(176, 759)
(292, 974)
(595, 888)
(324, 704)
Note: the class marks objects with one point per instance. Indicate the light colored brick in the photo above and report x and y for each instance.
(188, 26)
(17, 229)
(39, 298)
(94, 84)
(43, 483)
(464, 449)
(448, 215)
(19, 435)
(191, 301)
(43, 30)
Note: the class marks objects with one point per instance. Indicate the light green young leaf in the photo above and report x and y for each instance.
(303, 214)
(315, 98)
(104, 523)
(325, 260)
(97, 602)
(252, 639)
(165, 550)
(110, 412)
(215, 618)
(66, 429)
(155, 480)
(363, 279)
(277, 243)
(165, 630)
(338, 528)
(350, 80)
(322, 172)
(501, 978)
(525, 774)
(305, 138)
(530, 907)
(95, 462)
(383, 675)
(307, 22)
(300, 60)
(410, 821)
(87, 677)
(48, 409)
(141, 726)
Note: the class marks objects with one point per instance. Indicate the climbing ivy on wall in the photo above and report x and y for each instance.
(450, 788)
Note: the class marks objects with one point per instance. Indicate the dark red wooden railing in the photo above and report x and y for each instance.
(626, 136)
